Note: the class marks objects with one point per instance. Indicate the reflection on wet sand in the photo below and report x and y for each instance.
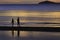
(30, 33)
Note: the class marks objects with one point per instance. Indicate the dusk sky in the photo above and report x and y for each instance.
(26, 1)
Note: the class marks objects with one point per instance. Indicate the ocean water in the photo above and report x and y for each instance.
(36, 7)
(26, 35)
(32, 20)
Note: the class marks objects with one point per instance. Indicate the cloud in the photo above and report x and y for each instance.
(55, 0)
(20, 1)
(25, 1)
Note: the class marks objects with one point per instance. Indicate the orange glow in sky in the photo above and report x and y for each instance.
(25, 1)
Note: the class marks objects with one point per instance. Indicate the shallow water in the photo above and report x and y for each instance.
(26, 35)
(32, 20)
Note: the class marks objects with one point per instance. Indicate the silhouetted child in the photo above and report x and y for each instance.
(18, 26)
(12, 27)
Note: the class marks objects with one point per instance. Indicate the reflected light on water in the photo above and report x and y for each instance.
(30, 33)
(24, 33)
(35, 16)
(42, 15)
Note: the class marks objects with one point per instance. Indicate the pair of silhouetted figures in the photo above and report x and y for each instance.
(18, 25)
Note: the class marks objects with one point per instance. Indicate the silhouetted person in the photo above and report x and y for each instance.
(12, 21)
(18, 24)
(18, 21)
(12, 27)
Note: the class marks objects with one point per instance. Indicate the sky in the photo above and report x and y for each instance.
(26, 1)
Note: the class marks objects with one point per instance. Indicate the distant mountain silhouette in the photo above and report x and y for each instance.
(48, 2)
